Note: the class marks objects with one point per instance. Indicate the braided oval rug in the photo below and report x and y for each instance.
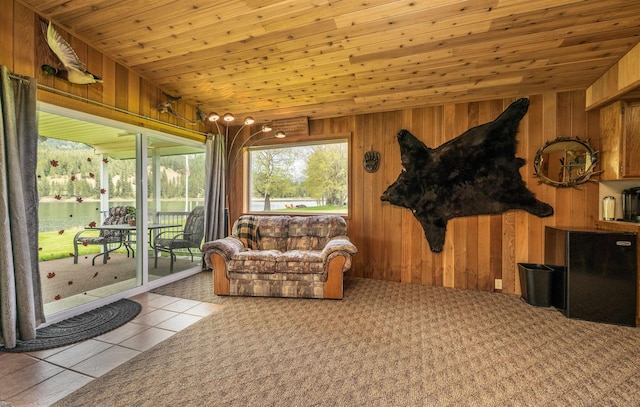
(81, 327)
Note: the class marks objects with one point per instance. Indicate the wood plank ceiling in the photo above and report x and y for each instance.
(276, 59)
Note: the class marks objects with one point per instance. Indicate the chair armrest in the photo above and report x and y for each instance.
(180, 235)
(77, 236)
(339, 246)
(167, 232)
(226, 247)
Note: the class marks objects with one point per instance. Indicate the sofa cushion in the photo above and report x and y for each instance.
(300, 242)
(300, 261)
(254, 261)
(274, 231)
(313, 232)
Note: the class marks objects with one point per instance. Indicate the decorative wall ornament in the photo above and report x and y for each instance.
(167, 107)
(371, 161)
(566, 162)
(74, 70)
(476, 173)
(293, 127)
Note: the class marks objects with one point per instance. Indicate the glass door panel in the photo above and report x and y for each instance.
(86, 182)
(175, 195)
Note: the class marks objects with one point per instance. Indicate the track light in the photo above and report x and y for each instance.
(280, 134)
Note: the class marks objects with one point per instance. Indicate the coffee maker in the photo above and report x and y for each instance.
(631, 204)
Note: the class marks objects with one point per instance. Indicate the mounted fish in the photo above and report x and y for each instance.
(74, 70)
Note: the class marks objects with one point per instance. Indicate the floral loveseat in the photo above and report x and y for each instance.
(282, 256)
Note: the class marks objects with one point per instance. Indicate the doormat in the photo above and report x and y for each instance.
(81, 327)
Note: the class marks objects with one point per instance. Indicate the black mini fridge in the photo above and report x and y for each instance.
(594, 273)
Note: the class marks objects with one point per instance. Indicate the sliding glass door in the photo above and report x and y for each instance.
(109, 194)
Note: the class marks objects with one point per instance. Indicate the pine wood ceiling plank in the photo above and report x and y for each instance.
(323, 64)
(214, 26)
(608, 50)
(267, 43)
(321, 11)
(407, 10)
(285, 42)
(244, 61)
(417, 79)
(397, 96)
(72, 10)
(400, 38)
(118, 21)
(543, 29)
(594, 36)
(572, 13)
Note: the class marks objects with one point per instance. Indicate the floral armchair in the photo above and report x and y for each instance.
(282, 256)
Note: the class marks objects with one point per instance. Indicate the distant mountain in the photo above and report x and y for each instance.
(57, 144)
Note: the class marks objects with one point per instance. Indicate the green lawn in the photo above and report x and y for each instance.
(53, 245)
(321, 209)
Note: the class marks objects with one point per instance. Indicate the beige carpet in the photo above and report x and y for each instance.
(198, 287)
(385, 344)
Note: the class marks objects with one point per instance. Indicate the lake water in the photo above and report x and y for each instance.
(68, 215)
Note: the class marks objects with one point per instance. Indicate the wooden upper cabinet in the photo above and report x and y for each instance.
(620, 143)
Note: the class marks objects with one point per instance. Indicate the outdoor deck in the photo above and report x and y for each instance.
(66, 285)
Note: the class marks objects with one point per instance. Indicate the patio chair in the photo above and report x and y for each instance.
(190, 237)
(117, 215)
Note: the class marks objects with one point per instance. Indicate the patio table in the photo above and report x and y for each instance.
(126, 237)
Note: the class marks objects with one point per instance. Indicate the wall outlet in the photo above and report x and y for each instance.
(498, 283)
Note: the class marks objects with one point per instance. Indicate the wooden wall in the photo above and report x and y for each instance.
(478, 249)
(23, 49)
(390, 240)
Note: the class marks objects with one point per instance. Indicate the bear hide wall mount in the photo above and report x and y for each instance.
(476, 173)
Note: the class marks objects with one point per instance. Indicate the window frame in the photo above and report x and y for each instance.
(294, 142)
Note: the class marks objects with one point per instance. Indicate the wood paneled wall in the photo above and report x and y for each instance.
(390, 240)
(478, 249)
(23, 49)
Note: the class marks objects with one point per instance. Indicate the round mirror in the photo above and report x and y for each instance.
(565, 162)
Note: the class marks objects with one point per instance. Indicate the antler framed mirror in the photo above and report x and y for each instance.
(565, 162)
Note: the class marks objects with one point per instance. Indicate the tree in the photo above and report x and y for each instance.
(326, 174)
(271, 173)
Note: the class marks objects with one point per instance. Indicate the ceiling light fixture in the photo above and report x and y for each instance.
(228, 118)
(265, 129)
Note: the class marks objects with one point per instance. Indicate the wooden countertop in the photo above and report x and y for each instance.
(618, 226)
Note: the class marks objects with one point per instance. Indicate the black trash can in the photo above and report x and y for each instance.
(536, 283)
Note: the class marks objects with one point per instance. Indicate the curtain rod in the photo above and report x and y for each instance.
(18, 78)
(83, 99)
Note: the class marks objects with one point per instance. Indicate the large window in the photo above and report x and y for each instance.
(300, 178)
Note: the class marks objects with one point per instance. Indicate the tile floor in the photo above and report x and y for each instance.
(44, 377)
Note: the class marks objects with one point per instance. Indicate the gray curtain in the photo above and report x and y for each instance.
(215, 188)
(21, 308)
